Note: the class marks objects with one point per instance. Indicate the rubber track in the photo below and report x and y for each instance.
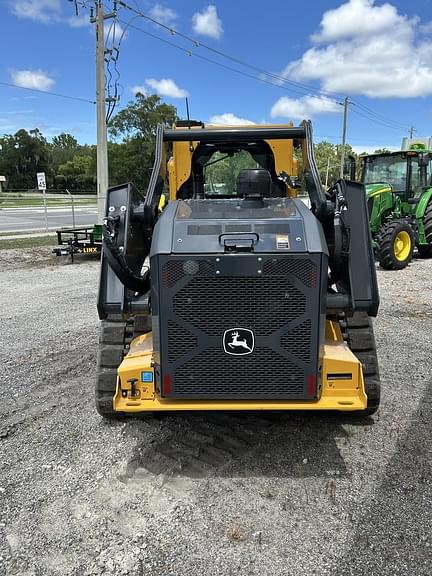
(385, 242)
(359, 335)
(114, 340)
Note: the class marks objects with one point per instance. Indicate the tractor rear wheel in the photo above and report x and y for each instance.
(425, 250)
(395, 245)
(115, 337)
(358, 333)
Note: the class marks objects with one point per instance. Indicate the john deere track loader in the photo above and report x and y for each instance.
(236, 297)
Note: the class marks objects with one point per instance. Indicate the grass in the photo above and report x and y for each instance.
(28, 242)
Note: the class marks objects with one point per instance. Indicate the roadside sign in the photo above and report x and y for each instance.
(41, 180)
(42, 186)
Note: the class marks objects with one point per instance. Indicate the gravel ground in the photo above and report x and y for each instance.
(292, 494)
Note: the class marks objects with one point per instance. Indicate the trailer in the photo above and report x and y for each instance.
(79, 240)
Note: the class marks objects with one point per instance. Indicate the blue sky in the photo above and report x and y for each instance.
(377, 53)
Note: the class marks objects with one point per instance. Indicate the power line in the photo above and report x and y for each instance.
(377, 121)
(10, 85)
(278, 79)
(210, 60)
(381, 117)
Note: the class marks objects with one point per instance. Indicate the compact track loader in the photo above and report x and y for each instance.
(236, 298)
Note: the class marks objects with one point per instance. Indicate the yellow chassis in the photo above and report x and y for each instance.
(342, 386)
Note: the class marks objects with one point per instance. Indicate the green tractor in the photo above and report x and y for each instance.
(399, 195)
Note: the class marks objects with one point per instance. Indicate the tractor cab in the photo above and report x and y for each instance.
(405, 172)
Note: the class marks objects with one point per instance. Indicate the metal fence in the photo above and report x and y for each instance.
(50, 199)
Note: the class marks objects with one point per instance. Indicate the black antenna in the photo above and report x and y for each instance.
(187, 113)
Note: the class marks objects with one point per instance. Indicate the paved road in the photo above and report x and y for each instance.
(25, 219)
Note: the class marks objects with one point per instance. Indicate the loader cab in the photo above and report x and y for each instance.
(211, 169)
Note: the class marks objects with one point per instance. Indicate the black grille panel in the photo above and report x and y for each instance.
(196, 306)
(264, 373)
(297, 341)
(301, 268)
(216, 304)
(175, 270)
(180, 341)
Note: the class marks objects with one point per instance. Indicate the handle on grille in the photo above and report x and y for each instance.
(240, 242)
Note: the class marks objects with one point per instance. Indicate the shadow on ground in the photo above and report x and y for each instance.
(242, 444)
(393, 531)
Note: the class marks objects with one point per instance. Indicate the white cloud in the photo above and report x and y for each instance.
(40, 10)
(80, 21)
(370, 50)
(141, 89)
(166, 87)
(207, 22)
(344, 21)
(228, 118)
(371, 149)
(163, 15)
(32, 79)
(304, 107)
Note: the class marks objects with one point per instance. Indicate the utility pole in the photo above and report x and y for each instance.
(327, 173)
(344, 130)
(411, 131)
(102, 146)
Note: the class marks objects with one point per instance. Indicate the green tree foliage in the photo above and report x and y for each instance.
(222, 173)
(140, 118)
(22, 156)
(77, 174)
(131, 159)
(328, 159)
(382, 151)
(66, 163)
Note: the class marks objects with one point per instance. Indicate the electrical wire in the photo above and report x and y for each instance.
(379, 116)
(278, 79)
(376, 120)
(210, 60)
(10, 85)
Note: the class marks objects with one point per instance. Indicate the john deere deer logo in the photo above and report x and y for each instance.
(238, 341)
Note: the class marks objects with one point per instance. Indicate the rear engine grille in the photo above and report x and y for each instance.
(265, 304)
(263, 373)
(197, 306)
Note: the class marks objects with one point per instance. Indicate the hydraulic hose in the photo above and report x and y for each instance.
(117, 261)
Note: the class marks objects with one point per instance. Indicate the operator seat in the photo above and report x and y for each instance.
(254, 183)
